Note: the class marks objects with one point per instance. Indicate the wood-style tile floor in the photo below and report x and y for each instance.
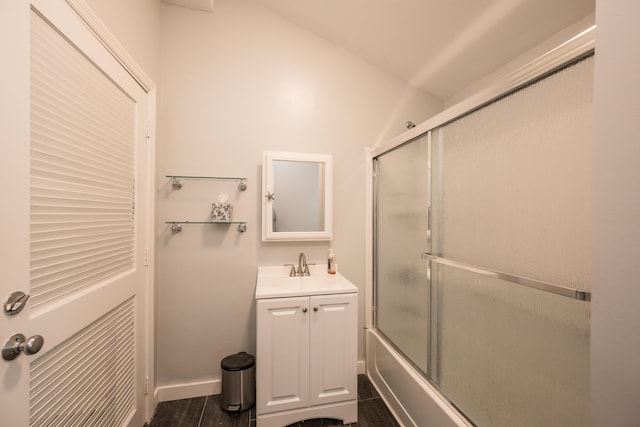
(205, 412)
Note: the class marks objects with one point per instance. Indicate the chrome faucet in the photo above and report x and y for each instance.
(303, 267)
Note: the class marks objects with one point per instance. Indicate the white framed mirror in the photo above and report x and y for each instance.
(297, 191)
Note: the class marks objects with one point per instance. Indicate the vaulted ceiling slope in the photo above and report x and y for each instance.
(203, 5)
(439, 46)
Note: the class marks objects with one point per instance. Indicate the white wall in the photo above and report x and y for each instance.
(136, 25)
(235, 83)
(522, 60)
(615, 324)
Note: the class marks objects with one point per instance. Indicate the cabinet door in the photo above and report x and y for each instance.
(333, 346)
(282, 354)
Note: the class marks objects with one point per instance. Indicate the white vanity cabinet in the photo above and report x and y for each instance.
(306, 358)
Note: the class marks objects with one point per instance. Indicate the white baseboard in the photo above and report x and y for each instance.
(187, 391)
(166, 393)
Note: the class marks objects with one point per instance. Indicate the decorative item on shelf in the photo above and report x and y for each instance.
(221, 211)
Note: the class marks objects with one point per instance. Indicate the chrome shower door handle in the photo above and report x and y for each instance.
(17, 344)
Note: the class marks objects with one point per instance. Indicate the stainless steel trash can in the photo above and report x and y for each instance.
(238, 382)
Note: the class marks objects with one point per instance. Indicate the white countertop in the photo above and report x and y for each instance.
(274, 282)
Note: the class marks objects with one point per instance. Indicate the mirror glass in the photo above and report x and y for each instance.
(297, 190)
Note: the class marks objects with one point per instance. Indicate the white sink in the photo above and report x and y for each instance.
(274, 282)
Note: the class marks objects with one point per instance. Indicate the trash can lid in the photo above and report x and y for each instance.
(238, 362)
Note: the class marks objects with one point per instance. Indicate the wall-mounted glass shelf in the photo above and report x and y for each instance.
(176, 180)
(176, 226)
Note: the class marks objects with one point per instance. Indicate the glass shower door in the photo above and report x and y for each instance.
(401, 235)
(483, 254)
(511, 256)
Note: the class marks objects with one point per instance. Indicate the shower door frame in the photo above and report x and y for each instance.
(580, 45)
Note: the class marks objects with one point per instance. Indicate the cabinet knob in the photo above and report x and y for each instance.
(315, 308)
(304, 309)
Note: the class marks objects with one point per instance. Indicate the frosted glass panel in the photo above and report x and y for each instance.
(508, 355)
(401, 237)
(513, 182)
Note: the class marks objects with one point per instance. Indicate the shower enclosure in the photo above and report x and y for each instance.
(482, 257)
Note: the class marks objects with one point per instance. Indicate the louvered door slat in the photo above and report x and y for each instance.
(83, 171)
(60, 149)
(74, 379)
(97, 126)
(81, 139)
(49, 124)
(70, 260)
(39, 264)
(74, 283)
(43, 251)
(51, 370)
(76, 173)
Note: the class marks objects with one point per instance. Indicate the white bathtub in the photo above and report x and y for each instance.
(408, 395)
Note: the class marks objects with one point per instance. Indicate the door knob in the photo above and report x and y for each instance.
(17, 344)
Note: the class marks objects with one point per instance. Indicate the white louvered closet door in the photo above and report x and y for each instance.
(74, 207)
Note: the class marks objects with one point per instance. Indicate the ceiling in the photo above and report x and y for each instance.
(439, 46)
